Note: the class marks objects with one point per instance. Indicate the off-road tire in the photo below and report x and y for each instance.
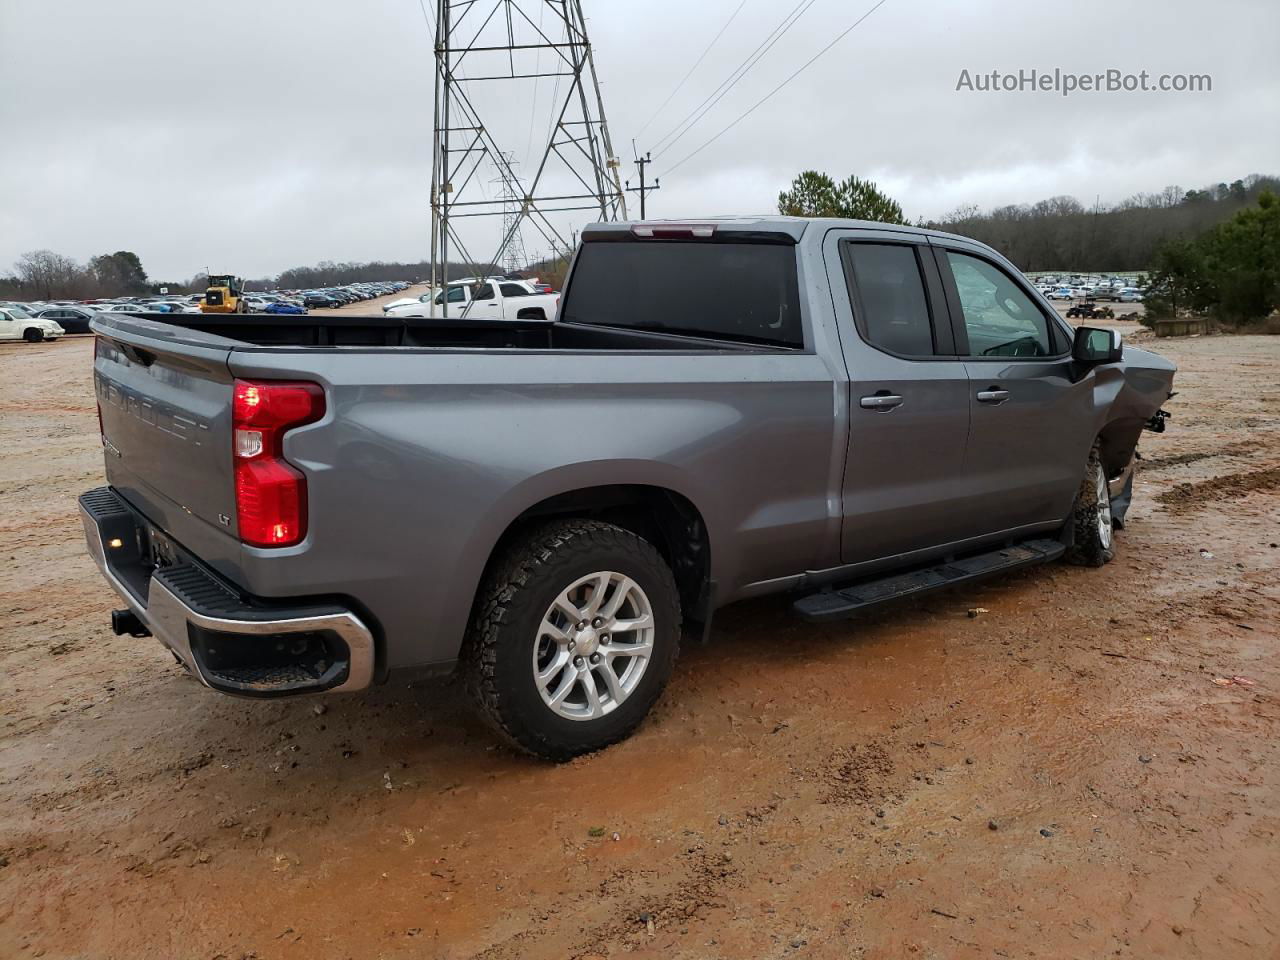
(520, 586)
(1087, 548)
(32, 335)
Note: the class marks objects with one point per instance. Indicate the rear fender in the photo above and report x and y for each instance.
(474, 557)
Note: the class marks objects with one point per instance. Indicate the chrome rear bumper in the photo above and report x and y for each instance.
(198, 617)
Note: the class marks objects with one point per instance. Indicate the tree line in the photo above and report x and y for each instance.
(1174, 233)
(1213, 251)
(46, 275)
(1061, 233)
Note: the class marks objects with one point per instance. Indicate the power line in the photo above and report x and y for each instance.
(737, 74)
(430, 23)
(536, 82)
(697, 63)
(742, 70)
(759, 103)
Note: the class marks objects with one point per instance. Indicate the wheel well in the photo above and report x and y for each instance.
(1116, 444)
(662, 517)
(531, 313)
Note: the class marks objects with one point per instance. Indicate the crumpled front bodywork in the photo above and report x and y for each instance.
(1146, 385)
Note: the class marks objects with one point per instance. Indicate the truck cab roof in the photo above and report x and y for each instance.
(781, 228)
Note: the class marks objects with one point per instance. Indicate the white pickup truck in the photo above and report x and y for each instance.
(483, 300)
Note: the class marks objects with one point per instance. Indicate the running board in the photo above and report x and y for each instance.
(838, 604)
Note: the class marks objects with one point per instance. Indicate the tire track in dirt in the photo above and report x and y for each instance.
(1242, 449)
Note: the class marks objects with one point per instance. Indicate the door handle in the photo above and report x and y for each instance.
(993, 395)
(881, 401)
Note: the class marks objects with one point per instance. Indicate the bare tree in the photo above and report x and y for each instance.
(47, 274)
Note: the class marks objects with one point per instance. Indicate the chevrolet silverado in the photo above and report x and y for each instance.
(846, 411)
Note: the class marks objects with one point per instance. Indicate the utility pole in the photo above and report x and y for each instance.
(643, 189)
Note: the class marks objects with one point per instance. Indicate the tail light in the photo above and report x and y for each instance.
(271, 494)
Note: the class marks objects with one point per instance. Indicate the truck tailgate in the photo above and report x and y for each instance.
(165, 396)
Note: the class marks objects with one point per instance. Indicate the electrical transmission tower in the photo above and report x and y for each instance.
(499, 43)
(512, 200)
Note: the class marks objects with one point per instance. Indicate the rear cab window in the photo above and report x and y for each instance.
(740, 291)
(896, 297)
(889, 299)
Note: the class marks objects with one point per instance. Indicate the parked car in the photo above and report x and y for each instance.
(1060, 293)
(284, 307)
(18, 324)
(1105, 292)
(71, 319)
(794, 409)
(320, 300)
(1131, 295)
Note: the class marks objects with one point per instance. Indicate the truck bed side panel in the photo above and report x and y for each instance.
(427, 457)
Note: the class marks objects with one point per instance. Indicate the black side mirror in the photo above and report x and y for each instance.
(1096, 345)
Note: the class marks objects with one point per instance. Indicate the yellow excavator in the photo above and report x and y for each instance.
(225, 294)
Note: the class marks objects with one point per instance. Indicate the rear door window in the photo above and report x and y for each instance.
(724, 290)
(887, 291)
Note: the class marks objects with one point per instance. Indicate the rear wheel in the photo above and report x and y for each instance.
(32, 335)
(1093, 525)
(573, 639)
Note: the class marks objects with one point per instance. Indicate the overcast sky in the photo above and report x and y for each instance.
(249, 136)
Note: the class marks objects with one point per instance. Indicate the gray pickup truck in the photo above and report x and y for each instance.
(851, 412)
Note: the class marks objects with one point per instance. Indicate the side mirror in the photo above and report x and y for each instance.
(1096, 345)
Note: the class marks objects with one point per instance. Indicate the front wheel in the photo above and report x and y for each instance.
(32, 335)
(1093, 524)
(573, 639)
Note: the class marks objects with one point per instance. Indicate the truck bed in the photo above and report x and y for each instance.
(265, 330)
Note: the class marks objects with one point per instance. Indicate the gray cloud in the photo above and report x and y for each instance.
(253, 135)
